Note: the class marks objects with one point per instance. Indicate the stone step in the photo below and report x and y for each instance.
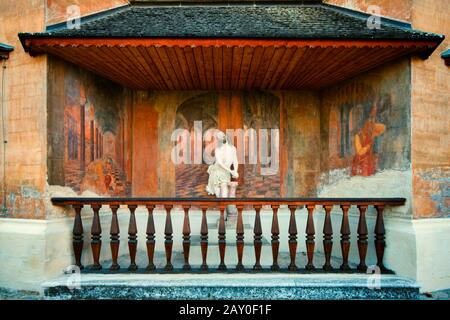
(238, 286)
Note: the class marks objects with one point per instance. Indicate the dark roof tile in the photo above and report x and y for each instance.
(300, 21)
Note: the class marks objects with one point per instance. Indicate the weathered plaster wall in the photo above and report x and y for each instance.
(397, 9)
(57, 10)
(365, 135)
(431, 116)
(145, 158)
(24, 113)
(303, 143)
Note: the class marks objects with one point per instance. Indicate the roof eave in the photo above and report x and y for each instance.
(5, 50)
(446, 56)
(430, 51)
(434, 40)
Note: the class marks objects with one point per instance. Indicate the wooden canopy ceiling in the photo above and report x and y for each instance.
(226, 64)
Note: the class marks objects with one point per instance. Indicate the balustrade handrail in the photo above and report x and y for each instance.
(207, 203)
(227, 201)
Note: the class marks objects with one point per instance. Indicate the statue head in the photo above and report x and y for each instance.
(221, 137)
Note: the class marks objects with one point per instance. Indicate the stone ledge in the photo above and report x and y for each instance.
(232, 287)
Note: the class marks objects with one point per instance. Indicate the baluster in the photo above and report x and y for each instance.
(257, 230)
(150, 238)
(78, 235)
(168, 242)
(275, 238)
(222, 239)
(132, 238)
(96, 237)
(240, 238)
(186, 238)
(380, 238)
(204, 239)
(345, 238)
(310, 235)
(362, 238)
(327, 238)
(292, 238)
(115, 239)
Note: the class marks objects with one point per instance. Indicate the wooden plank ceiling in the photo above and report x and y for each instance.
(228, 64)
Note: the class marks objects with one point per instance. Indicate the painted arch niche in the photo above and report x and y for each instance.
(230, 112)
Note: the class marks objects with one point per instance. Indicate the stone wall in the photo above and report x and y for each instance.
(57, 10)
(430, 116)
(400, 10)
(25, 169)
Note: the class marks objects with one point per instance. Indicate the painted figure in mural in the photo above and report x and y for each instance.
(220, 173)
(364, 163)
(107, 173)
(100, 178)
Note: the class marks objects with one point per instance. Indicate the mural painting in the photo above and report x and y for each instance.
(107, 142)
(359, 133)
(262, 111)
(94, 140)
(364, 161)
(368, 132)
(235, 114)
(191, 174)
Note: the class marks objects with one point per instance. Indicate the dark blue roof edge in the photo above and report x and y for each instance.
(6, 47)
(94, 16)
(446, 54)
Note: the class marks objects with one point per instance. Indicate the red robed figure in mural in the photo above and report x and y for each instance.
(364, 162)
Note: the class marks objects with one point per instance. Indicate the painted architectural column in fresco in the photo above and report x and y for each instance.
(83, 101)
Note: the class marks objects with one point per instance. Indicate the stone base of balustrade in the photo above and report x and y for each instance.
(232, 287)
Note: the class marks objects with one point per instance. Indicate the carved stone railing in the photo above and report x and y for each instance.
(204, 204)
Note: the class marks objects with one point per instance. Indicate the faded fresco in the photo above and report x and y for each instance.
(365, 125)
(262, 111)
(361, 129)
(229, 111)
(364, 159)
(191, 174)
(368, 130)
(118, 142)
(93, 136)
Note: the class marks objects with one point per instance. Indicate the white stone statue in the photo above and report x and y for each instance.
(220, 173)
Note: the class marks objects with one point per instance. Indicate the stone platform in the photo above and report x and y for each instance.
(238, 286)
